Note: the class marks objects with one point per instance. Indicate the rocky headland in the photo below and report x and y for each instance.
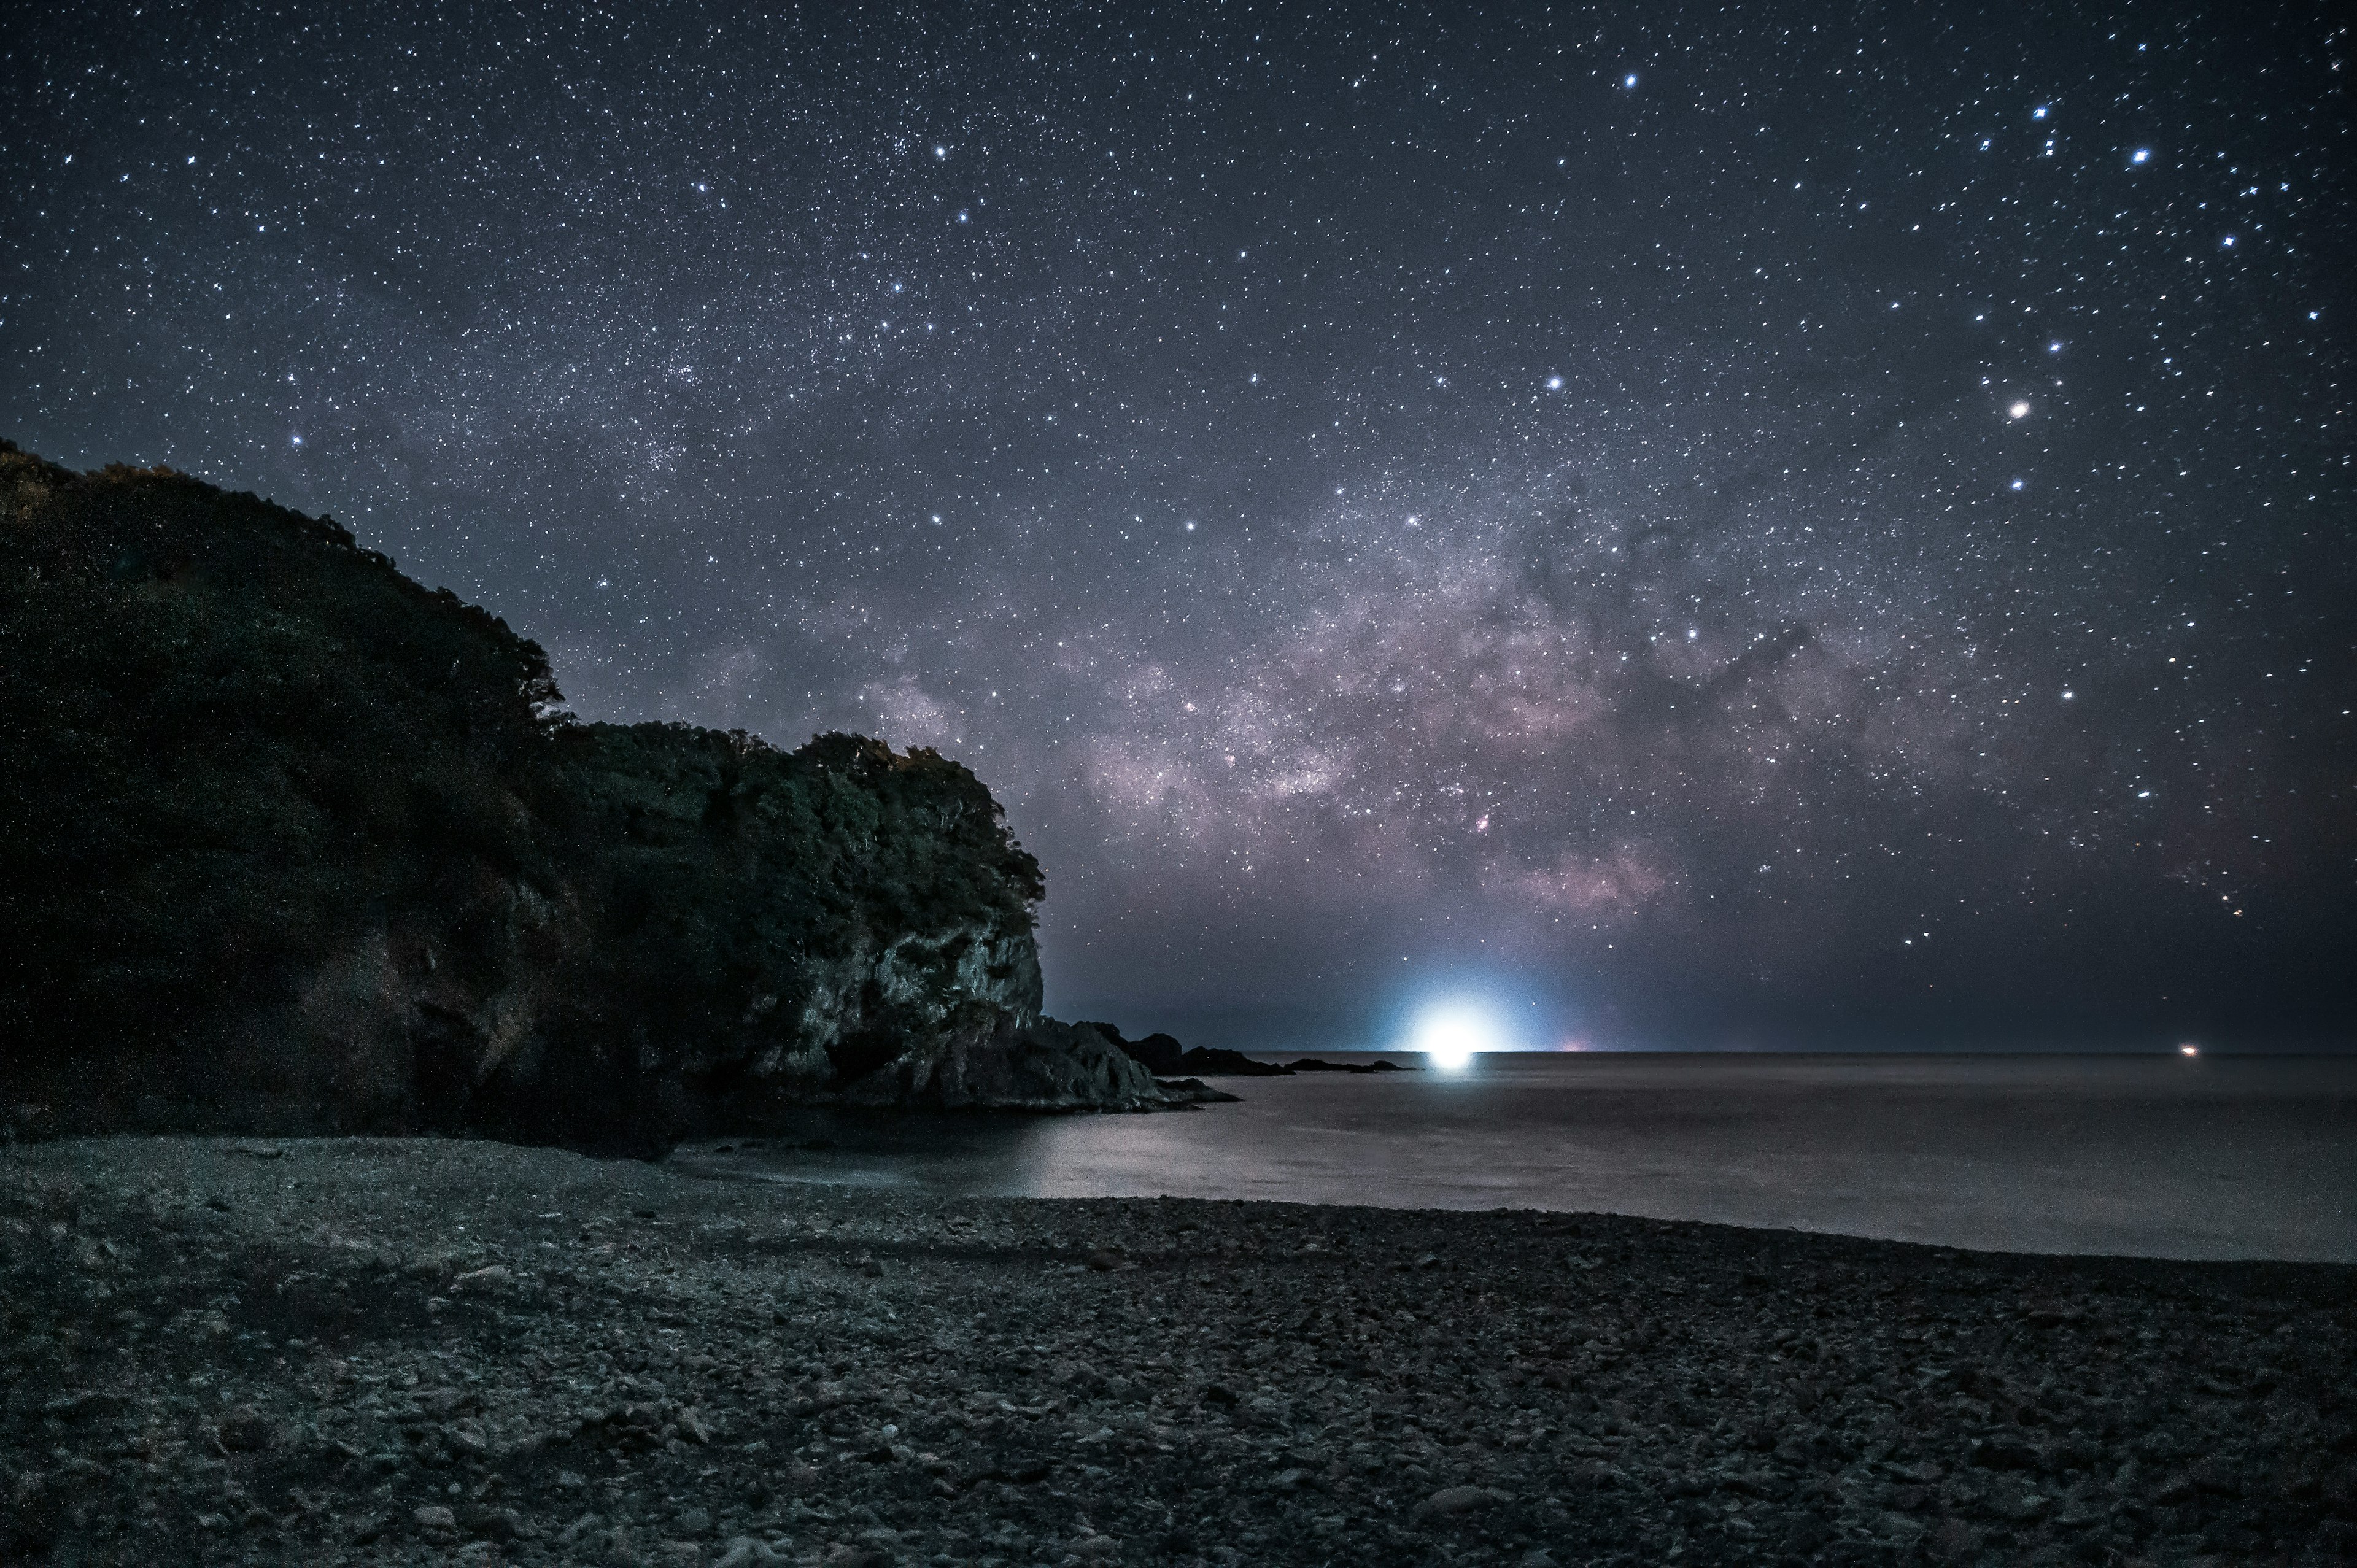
(291, 844)
(430, 1350)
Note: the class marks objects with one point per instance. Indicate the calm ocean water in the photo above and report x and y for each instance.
(2211, 1157)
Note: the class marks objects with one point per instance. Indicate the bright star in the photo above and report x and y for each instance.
(1629, 79)
(2140, 155)
(1554, 383)
(2019, 411)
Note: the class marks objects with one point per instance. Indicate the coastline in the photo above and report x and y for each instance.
(360, 1350)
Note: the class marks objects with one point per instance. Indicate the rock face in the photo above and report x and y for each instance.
(289, 844)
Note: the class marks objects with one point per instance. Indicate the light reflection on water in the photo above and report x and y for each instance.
(2206, 1158)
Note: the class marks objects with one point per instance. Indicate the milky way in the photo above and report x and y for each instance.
(1703, 529)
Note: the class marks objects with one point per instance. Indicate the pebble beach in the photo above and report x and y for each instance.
(427, 1350)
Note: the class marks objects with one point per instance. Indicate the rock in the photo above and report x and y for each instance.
(1103, 1259)
(245, 1429)
(693, 1427)
(484, 1278)
(1158, 1054)
(1450, 1501)
(2013, 1499)
(434, 1519)
(744, 1552)
(2005, 1451)
(1193, 1092)
(1218, 1061)
(1007, 1063)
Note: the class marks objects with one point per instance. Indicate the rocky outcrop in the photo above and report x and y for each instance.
(999, 1063)
(1159, 1054)
(289, 844)
(1165, 1058)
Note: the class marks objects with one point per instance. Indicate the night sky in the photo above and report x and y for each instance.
(1816, 524)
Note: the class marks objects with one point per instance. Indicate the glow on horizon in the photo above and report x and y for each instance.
(1452, 1033)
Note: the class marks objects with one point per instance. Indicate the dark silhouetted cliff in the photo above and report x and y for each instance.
(289, 842)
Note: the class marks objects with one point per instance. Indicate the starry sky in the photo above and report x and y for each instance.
(1778, 525)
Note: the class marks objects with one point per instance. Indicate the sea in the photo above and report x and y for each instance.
(2214, 1156)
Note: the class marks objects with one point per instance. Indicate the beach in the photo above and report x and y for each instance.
(432, 1351)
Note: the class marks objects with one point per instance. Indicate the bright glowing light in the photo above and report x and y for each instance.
(1450, 1035)
(2188, 1049)
(2019, 411)
(2140, 155)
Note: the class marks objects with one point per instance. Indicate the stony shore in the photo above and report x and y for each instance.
(428, 1352)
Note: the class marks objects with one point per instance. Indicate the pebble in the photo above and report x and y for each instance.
(244, 1430)
(1453, 1501)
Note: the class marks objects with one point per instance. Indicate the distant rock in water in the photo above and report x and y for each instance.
(1159, 1054)
(1220, 1062)
(1194, 1092)
(290, 844)
(1164, 1058)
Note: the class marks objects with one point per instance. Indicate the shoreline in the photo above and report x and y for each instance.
(362, 1350)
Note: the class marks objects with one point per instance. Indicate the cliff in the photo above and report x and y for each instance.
(289, 842)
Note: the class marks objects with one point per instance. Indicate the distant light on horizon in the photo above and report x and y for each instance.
(1452, 1033)
(2188, 1049)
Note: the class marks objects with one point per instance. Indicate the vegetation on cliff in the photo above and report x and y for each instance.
(285, 836)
